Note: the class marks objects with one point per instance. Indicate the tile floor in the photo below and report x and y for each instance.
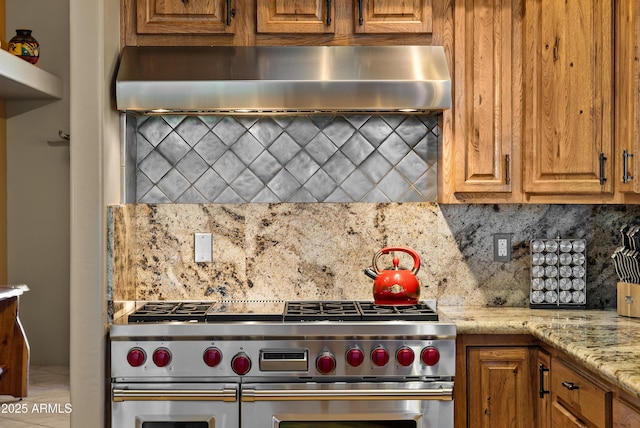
(46, 405)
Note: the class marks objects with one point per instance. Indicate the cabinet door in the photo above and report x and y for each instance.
(543, 397)
(393, 16)
(488, 95)
(295, 16)
(499, 387)
(627, 80)
(568, 81)
(185, 16)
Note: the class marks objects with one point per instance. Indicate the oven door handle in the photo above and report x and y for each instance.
(441, 394)
(227, 395)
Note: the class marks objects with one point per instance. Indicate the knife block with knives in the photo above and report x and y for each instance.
(626, 260)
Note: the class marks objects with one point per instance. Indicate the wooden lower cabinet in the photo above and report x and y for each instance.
(563, 418)
(584, 397)
(499, 387)
(625, 415)
(519, 381)
(542, 398)
(494, 385)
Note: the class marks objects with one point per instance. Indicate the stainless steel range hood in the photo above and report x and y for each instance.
(283, 79)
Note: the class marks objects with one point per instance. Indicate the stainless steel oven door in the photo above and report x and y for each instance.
(352, 405)
(175, 405)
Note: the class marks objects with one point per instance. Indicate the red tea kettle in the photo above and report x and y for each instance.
(395, 286)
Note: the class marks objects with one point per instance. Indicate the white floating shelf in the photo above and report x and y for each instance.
(25, 86)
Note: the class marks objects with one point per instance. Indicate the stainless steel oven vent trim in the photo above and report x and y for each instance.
(276, 79)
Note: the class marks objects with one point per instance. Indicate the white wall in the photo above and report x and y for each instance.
(95, 173)
(80, 43)
(38, 190)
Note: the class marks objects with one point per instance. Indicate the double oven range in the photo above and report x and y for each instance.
(299, 364)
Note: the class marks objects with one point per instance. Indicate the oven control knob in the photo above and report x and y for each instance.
(161, 357)
(326, 363)
(136, 357)
(212, 357)
(355, 357)
(240, 363)
(405, 356)
(430, 356)
(380, 356)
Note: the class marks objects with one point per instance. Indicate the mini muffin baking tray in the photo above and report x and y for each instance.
(558, 273)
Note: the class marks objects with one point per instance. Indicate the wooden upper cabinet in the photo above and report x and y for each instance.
(488, 96)
(569, 97)
(295, 16)
(393, 16)
(185, 16)
(627, 89)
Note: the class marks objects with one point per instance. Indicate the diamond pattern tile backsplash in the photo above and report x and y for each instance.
(317, 158)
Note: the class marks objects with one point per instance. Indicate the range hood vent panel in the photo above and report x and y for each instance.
(283, 79)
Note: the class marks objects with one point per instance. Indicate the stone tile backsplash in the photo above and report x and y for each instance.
(318, 251)
(377, 178)
(317, 158)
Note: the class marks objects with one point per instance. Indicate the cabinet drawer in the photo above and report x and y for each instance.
(625, 416)
(581, 395)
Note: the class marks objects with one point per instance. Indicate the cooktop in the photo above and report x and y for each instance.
(279, 311)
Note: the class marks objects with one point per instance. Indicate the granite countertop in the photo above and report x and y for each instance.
(9, 291)
(603, 341)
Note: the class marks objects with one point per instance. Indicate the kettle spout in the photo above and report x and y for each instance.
(370, 273)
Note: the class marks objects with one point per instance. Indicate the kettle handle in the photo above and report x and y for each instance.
(387, 250)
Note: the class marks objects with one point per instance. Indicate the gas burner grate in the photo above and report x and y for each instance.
(171, 311)
(322, 311)
(356, 311)
(278, 311)
(418, 312)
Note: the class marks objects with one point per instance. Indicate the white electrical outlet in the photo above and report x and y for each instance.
(202, 247)
(502, 247)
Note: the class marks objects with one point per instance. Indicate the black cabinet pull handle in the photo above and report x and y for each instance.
(507, 172)
(602, 177)
(328, 12)
(570, 385)
(230, 13)
(626, 177)
(541, 371)
(360, 17)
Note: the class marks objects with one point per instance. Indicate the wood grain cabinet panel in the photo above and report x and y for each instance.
(184, 16)
(488, 96)
(625, 416)
(563, 418)
(499, 387)
(393, 16)
(295, 16)
(569, 91)
(627, 81)
(584, 397)
(543, 397)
